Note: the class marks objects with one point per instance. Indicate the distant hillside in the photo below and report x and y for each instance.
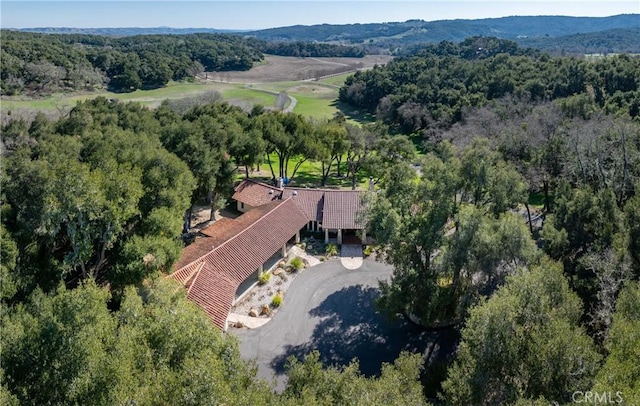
(125, 32)
(558, 34)
(604, 42)
(414, 31)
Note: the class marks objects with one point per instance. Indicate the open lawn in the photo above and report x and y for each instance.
(308, 175)
(318, 107)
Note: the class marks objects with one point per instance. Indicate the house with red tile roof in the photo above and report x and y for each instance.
(336, 212)
(221, 265)
(233, 252)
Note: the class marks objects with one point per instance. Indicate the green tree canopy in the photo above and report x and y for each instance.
(621, 370)
(523, 342)
(158, 348)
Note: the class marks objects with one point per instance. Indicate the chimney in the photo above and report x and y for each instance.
(371, 184)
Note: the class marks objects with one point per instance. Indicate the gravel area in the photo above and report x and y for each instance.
(260, 297)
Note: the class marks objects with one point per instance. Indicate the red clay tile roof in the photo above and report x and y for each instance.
(220, 229)
(342, 209)
(213, 278)
(333, 208)
(310, 201)
(194, 251)
(255, 193)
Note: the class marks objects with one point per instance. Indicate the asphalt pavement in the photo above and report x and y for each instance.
(331, 309)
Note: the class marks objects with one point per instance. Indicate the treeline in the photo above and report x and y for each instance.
(432, 91)
(41, 63)
(93, 210)
(38, 64)
(470, 49)
(313, 49)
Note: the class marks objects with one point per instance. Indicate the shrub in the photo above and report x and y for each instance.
(276, 301)
(332, 250)
(368, 250)
(297, 264)
(264, 277)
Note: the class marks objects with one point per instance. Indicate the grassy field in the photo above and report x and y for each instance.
(249, 96)
(317, 99)
(337, 80)
(147, 97)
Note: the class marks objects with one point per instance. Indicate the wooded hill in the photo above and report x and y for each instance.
(581, 35)
(433, 88)
(44, 63)
(617, 40)
(400, 34)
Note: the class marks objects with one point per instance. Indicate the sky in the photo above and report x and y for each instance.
(259, 14)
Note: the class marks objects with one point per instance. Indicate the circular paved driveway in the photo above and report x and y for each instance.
(331, 309)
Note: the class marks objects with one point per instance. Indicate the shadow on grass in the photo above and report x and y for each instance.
(350, 327)
(360, 115)
(537, 200)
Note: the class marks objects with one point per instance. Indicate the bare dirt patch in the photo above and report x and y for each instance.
(288, 68)
(311, 89)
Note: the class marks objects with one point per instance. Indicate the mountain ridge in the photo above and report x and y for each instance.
(450, 30)
(505, 27)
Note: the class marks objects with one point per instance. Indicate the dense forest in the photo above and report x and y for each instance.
(515, 221)
(434, 88)
(617, 40)
(548, 297)
(44, 63)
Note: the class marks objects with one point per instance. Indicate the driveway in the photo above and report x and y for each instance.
(351, 256)
(331, 309)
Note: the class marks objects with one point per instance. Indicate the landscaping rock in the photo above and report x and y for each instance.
(278, 271)
(253, 313)
(238, 324)
(282, 264)
(265, 310)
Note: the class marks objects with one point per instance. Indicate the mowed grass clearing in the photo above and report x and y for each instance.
(308, 175)
(173, 90)
(337, 80)
(151, 98)
(316, 99)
